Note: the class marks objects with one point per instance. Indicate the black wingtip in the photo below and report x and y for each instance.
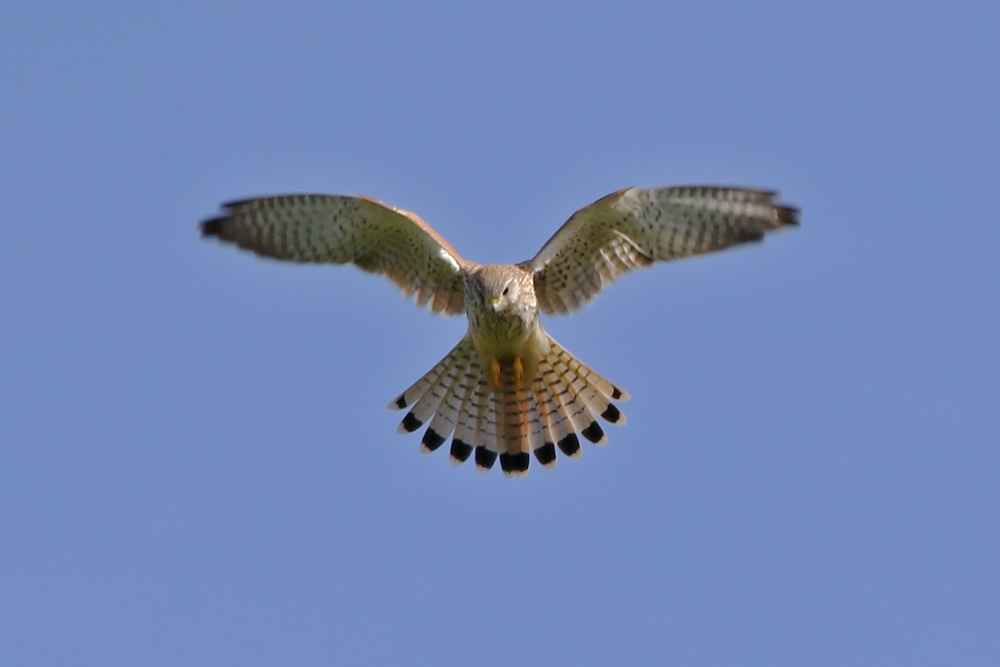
(211, 227)
(789, 215)
(594, 432)
(570, 445)
(460, 451)
(485, 458)
(411, 423)
(611, 414)
(400, 402)
(546, 454)
(616, 393)
(432, 439)
(515, 464)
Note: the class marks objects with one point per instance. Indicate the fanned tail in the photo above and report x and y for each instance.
(520, 417)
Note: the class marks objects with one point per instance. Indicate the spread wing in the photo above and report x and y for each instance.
(374, 236)
(632, 228)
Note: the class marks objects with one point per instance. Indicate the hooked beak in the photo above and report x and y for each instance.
(494, 302)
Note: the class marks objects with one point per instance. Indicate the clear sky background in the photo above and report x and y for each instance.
(196, 461)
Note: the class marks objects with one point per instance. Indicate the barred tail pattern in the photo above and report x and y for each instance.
(534, 416)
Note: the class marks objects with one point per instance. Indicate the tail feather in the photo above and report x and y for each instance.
(510, 423)
(547, 409)
(539, 440)
(418, 388)
(556, 419)
(427, 404)
(571, 388)
(512, 427)
(445, 420)
(486, 449)
(582, 385)
(572, 416)
(465, 430)
(558, 353)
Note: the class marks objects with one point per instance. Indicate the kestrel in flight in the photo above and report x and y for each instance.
(507, 389)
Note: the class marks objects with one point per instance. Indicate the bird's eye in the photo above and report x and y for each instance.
(505, 290)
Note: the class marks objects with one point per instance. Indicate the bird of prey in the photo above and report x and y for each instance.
(507, 390)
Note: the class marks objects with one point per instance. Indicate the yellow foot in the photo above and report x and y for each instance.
(518, 371)
(495, 373)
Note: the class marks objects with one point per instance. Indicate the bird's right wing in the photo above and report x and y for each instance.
(632, 228)
(370, 234)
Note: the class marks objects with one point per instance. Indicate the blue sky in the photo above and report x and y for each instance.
(196, 462)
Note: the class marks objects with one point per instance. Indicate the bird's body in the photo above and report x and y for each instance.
(507, 389)
(503, 312)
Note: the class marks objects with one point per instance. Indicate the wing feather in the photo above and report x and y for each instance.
(633, 228)
(370, 234)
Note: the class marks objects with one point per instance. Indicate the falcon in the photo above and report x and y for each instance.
(507, 390)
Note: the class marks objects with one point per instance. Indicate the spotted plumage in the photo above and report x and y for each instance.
(507, 391)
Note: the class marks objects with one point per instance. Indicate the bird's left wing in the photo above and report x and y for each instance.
(370, 234)
(636, 227)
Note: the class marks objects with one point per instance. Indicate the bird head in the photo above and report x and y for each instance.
(502, 288)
